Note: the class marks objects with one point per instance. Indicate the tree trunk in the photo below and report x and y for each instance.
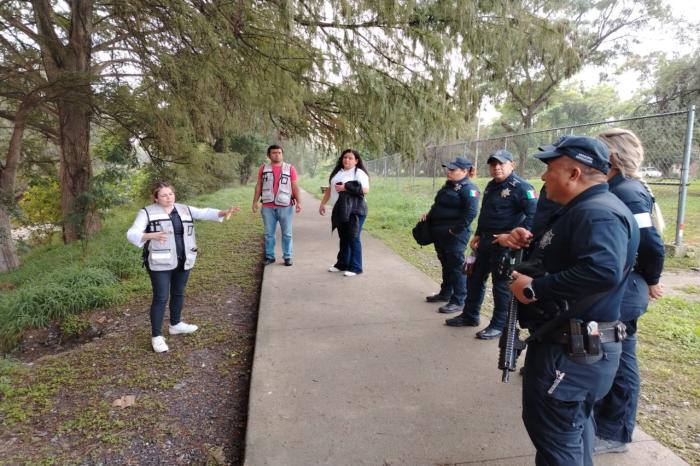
(67, 67)
(8, 174)
(79, 219)
(8, 253)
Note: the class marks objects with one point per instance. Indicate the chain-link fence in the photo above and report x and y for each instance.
(671, 162)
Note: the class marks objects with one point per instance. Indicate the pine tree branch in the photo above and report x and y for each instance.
(47, 39)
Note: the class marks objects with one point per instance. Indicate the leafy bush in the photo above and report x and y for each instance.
(74, 325)
(41, 208)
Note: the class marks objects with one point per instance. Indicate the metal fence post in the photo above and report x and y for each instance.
(434, 166)
(685, 171)
(413, 177)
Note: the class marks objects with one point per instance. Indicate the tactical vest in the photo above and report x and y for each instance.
(163, 256)
(284, 191)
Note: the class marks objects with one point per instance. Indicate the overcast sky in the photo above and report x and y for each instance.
(650, 41)
(653, 40)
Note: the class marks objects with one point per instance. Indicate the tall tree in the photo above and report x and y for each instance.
(595, 32)
(176, 73)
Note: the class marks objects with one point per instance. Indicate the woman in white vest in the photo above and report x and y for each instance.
(166, 232)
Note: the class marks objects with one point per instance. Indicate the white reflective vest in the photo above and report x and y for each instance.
(163, 256)
(284, 191)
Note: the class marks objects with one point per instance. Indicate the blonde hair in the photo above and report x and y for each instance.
(626, 151)
(627, 155)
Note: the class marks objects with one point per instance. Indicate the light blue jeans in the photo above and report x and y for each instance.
(283, 215)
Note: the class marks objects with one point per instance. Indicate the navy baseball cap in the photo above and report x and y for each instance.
(583, 149)
(549, 147)
(459, 162)
(500, 155)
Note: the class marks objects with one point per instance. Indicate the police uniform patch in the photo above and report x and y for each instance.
(531, 194)
(546, 239)
(505, 192)
(473, 193)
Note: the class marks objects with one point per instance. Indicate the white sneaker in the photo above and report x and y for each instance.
(333, 268)
(182, 328)
(348, 273)
(159, 345)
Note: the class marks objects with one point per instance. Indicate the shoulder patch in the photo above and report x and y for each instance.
(531, 194)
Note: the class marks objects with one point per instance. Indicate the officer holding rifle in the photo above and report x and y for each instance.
(586, 251)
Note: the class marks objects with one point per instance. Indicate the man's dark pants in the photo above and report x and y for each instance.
(560, 423)
(488, 261)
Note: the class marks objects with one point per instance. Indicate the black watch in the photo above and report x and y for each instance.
(529, 293)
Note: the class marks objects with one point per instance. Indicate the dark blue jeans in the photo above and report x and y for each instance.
(168, 283)
(488, 259)
(615, 414)
(450, 252)
(350, 251)
(559, 418)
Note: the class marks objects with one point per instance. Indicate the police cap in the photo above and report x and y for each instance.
(583, 149)
(459, 162)
(501, 156)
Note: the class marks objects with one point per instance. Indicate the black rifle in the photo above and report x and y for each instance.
(510, 346)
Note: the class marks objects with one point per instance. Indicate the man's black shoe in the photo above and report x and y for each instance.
(449, 308)
(269, 260)
(437, 298)
(288, 262)
(488, 333)
(461, 321)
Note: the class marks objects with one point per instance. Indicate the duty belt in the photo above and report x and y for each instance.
(584, 340)
(608, 331)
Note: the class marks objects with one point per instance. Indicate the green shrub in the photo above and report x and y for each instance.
(41, 203)
(74, 325)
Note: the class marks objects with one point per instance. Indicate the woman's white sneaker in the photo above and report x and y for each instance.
(182, 328)
(348, 273)
(159, 345)
(333, 268)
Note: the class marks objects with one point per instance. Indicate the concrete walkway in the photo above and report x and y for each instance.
(363, 371)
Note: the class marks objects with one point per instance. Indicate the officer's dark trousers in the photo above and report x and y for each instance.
(167, 283)
(488, 258)
(616, 413)
(560, 423)
(450, 252)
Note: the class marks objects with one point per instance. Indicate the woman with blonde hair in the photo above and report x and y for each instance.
(615, 414)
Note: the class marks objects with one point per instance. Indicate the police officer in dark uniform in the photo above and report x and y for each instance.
(586, 254)
(615, 414)
(450, 217)
(508, 202)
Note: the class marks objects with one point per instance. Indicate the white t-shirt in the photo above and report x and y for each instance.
(344, 176)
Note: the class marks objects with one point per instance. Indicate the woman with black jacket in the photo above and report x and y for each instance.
(349, 182)
(450, 217)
